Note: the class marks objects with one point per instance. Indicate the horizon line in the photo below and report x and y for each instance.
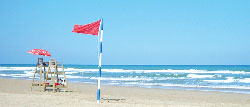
(140, 64)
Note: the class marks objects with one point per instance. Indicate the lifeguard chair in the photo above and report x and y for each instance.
(55, 76)
(41, 71)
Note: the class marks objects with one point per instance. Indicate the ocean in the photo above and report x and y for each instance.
(223, 78)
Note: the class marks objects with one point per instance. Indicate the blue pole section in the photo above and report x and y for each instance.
(100, 64)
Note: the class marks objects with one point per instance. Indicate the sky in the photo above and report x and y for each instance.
(136, 32)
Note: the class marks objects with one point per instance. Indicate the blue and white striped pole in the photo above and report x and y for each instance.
(100, 64)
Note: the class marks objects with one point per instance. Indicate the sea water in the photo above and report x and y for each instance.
(224, 78)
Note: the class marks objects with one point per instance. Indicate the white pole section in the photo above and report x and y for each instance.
(100, 63)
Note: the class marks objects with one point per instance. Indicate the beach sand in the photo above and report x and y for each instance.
(15, 92)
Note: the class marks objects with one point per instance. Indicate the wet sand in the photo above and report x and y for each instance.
(15, 92)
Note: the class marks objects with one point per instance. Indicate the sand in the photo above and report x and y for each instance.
(15, 92)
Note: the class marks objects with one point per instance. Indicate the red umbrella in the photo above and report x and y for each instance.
(39, 52)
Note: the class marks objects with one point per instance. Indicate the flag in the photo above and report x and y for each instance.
(92, 28)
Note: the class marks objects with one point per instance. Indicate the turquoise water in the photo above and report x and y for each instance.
(226, 78)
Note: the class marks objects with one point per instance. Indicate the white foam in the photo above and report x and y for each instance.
(160, 71)
(13, 75)
(113, 70)
(199, 76)
(4, 75)
(228, 80)
(218, 76)
(29, 73)
(245, 80)
(168, 78)
(74, 70)
(197, 71)
(18, 75)
(80, 70)
(134, 83)
(113, 83)
(123, 79)
(187, 86)
(70, 76)
(16, 68)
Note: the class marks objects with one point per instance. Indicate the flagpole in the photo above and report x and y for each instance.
(94, 29)
(100, 64)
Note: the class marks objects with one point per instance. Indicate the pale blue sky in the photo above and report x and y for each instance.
(159, 32)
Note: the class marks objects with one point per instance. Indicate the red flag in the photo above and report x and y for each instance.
(92, 28)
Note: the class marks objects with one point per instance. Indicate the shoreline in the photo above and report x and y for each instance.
(205, 89)
(16, 92)
(233, 79)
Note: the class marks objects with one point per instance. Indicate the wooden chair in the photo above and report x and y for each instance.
(41, 71)
(52, 76)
